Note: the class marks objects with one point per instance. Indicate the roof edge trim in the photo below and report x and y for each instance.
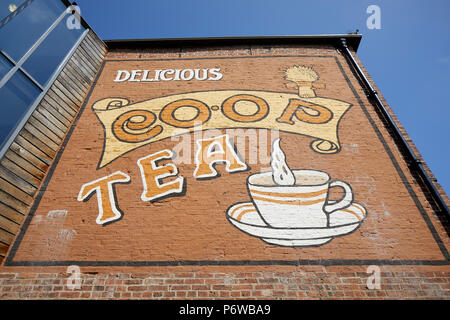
(353, 41)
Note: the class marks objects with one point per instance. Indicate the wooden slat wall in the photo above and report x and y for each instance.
(26, 162)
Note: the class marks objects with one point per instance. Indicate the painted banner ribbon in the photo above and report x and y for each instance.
(129, 126)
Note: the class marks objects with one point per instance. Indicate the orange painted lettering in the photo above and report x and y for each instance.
(212, 151)
(107, 208)
(152, 174)
(306, 112)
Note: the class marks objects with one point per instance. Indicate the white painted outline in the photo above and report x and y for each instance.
(117, 213)
(209, 153)
(157, 178)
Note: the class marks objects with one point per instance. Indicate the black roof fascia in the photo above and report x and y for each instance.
(353, 41)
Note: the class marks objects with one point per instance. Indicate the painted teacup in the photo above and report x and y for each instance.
(303, 205)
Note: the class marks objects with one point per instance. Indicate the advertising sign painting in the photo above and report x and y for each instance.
(224, 161)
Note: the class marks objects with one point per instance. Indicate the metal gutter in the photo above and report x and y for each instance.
(416, 163)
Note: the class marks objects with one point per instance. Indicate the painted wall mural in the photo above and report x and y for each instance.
(290, 207)
(129, 126)
(287, 207)
(257, 160)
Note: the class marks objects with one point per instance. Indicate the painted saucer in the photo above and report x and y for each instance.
(245, 217)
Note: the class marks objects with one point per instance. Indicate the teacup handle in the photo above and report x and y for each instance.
(344, 202)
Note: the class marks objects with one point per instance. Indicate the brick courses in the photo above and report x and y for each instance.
(248, 285)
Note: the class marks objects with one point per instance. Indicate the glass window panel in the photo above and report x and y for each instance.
(9, 6)
(19, 34)
(48, 56)
(5, 66)
(16, 96)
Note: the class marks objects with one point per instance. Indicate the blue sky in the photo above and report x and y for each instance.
(408, 58)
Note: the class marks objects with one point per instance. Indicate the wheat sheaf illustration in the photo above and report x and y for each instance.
(304, 77)
(301, 73)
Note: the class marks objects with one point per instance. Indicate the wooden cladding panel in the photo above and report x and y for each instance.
(24, 165)
(15, 191)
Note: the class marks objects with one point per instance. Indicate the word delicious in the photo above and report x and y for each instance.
(213, 74)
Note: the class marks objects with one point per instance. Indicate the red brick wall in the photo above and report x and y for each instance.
(386, 239)
(320, 284)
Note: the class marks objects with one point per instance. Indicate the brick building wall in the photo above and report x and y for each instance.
(171, 250)
(303, 283)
